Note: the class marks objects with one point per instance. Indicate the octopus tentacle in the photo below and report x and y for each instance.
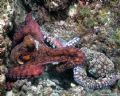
(73, 62)
(72, 42)
(57, 43)
(81, 78)
(30, 26)
(25, 71)
(36, 66)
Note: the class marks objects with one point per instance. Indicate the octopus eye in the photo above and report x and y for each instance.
(19, 61)
(23, 59)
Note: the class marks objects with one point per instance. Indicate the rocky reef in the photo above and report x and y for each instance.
(59, 48)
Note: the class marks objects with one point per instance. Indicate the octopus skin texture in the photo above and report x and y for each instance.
(35, 60)
(56, 43)
(91, 83)
(97, 73)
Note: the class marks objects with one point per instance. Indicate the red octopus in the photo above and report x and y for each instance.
(27, 57)
(31, 55)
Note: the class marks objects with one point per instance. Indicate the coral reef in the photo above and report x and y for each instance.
(77, 90)
(44, 87)
(102, 93)
(60, 24)
(2, 46)
(61, 29)
(6, 11)
(55, 5)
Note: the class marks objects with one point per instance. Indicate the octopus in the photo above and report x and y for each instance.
(30, 54)
(97, 73)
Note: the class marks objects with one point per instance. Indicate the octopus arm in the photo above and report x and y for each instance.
(80, 76)
(76, 57)
(18, 37)
(30, 26)
(25, 71)
(34, 27)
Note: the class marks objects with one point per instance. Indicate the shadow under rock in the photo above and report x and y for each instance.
(64, 78)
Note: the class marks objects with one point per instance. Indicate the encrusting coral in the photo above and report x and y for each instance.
(2, 45)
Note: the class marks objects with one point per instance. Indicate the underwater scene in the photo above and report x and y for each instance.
(59, 47)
